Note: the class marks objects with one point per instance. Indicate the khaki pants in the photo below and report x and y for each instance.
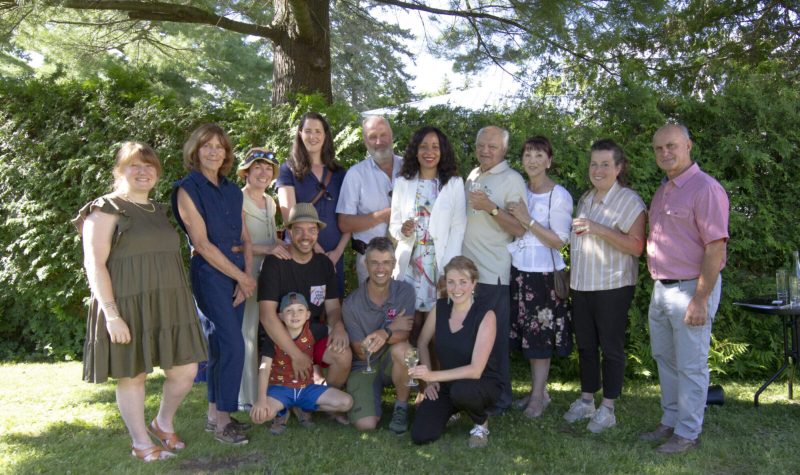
(681, 352)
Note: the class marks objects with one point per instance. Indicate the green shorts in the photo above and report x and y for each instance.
(366, 389)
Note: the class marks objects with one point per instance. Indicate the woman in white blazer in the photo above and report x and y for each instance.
(428, 216)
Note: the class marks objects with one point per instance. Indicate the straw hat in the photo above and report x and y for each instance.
(255, 154)
(304, 213)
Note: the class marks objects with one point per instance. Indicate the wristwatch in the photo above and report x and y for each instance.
(388, 331)
(495, 211)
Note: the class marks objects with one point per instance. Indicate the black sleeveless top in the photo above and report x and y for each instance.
(455, 349)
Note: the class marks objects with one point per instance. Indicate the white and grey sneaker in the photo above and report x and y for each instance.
(579, 410)
(602, 419)
(478, 437)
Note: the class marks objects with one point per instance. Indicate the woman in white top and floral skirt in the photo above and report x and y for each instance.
(428, 216)
(540, 319)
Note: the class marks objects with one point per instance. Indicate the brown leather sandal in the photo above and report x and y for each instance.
(151, 454)
(169, 440)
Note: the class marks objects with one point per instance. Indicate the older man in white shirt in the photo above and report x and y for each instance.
(366, 197)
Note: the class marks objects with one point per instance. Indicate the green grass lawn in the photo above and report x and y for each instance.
(52, 422)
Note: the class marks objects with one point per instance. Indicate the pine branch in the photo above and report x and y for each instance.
(162, 11)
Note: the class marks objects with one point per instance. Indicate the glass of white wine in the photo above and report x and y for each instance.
(364, 345)
(475, 186)
(411, 359)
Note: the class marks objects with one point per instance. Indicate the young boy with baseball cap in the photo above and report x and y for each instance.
(278, 390)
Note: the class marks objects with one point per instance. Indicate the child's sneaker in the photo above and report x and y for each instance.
(278, 426)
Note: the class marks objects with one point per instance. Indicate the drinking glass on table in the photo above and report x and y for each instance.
(365, 345)
(794, 291)
(411, 359)
(782, 286)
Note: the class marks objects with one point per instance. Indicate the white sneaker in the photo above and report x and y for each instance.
(603, 419)
(579, 410)
(478, 437)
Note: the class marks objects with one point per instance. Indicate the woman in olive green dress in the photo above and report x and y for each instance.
(141, 313)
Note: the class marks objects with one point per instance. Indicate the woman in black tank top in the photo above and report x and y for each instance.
(469, 380)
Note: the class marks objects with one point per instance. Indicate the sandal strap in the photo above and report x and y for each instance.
(169, 440)
(150, 454)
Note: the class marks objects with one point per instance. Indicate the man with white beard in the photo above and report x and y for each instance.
(366, 197)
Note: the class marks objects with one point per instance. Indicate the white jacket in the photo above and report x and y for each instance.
(447, 222)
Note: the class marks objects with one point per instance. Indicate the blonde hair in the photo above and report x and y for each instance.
(127, 152)
(200, 136)
(464, 265)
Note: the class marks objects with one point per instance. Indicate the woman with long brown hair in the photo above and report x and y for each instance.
(312, 175)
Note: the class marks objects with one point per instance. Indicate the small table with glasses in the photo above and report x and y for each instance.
(791, 351)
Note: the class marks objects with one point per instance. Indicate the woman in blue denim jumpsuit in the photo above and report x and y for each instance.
(209, 209)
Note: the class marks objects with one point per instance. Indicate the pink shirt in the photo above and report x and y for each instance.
(687, 213)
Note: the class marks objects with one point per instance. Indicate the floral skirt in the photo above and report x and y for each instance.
(541, 324)
(421, 274)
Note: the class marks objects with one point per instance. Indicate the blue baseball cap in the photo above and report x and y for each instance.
(292, 298)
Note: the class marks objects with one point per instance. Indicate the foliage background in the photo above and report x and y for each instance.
(58, 137)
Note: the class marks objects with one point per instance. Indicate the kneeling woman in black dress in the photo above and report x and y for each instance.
(464, 332)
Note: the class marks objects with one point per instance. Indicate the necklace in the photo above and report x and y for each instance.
(138, 205)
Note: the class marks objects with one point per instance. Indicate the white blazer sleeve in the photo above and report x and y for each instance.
(396, 217)
(458, 223)
(402, 204)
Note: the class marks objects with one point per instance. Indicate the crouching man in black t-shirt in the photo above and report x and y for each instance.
(313, 276)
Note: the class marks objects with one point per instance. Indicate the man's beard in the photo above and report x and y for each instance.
(382, 154)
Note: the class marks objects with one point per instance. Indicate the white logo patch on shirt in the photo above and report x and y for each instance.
(317, 295)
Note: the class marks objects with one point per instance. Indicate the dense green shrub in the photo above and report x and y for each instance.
(57, 140)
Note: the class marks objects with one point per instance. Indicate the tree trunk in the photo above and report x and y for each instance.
(302, 56)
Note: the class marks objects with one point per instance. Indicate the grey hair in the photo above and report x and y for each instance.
(681, 128)
(505, 133)
(373, 117)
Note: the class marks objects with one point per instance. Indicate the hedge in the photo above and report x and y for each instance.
(57, 140)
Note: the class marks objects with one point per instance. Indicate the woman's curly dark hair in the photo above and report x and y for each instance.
(299, 160)
(447, 158)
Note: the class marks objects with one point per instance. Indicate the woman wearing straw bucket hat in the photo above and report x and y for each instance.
(258, 170)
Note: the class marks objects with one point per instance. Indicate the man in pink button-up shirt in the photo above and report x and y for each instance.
(686, 251)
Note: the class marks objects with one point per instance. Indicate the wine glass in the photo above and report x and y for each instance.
(475, 186)
(364, 345)
(414, 219)
(411, 359)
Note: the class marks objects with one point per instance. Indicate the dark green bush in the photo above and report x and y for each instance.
(57, 140)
